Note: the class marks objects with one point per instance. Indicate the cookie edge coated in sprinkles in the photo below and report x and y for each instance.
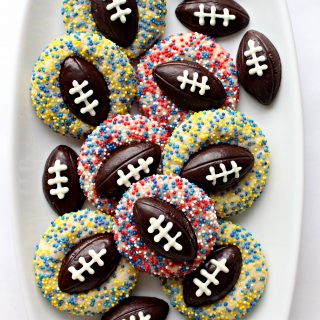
(77, 17)
(246, 293)
(122, 130)
(222, 126)
(191, 203)
(63, 234)
(153, 103)
(102, 54)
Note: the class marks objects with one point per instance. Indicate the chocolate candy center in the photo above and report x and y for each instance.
(189, 85)
(218, 167)
(89, 264)
(125, 166)
(215, 278)
(84, 90)
(165, 229)
(117, 20)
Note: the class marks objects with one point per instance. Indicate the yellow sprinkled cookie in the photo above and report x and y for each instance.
(134, 25)
(77, 266)
(225, 153)
(79, 81)
(228, 284)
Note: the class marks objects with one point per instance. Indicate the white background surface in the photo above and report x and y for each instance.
(305, 25)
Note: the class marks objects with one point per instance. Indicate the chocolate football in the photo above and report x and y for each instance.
(189, 85)
(125, 166)
(138, 308)
(116, 20)
(215, 18)
(165, 229)
(218, 167)
(89, 264)
(84, 90)
(215, 278)
(60, 181)
(259, 66)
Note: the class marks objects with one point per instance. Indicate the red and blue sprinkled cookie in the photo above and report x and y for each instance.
(165, 226)
(134, 25)
(228, 284)
(183, 74)
(122, 150)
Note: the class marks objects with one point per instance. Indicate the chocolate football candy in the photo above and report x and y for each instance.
(215, 18)
(84, 90)
(139, 308)
(218, 167)
(89, 264)
(189, 85)
(259, 66)
(60, 181)
(215, 278)
(117, 20)
(165, 229)
(127, 165)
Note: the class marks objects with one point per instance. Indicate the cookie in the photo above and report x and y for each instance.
(119, 152)
(77, 267)
(165, 226)
(229, 283)
(225, 153)
(183, 74)
(79, 81)
(133, 25)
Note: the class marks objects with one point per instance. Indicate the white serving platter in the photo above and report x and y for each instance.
(274, 220)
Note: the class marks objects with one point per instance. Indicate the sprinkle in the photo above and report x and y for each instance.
(77, 17)
(104, 55)
(195, 204)
(215, 127)
(247, 291)
(193, 47)
(63, 234)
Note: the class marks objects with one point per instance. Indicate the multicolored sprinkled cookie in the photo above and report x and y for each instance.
(190, 153)
(134, 25)
(79, 81)
(119, 152)
(83, 288)
(152, 237)
(203, 53)
(235, 247)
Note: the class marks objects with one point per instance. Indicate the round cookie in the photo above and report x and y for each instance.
(104, 145)
(80, 80)
(246, 292)
(189, 47)
(193, 205)
(64, 234)
(230, 129)
(134, 25)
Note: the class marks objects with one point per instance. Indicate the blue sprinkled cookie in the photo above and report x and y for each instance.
(225, 153)
(160, 220)
(79, 81)
(77, 266)
(228, 285)
(186, 73)
(134, 25)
